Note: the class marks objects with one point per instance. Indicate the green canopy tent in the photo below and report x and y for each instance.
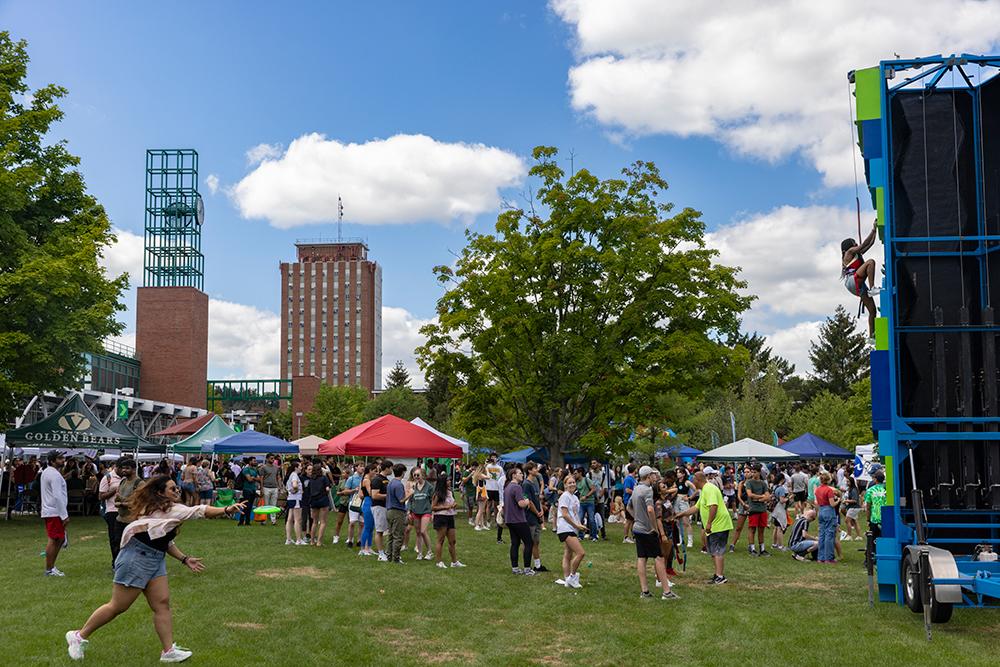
(215, 429)
(72, 426)
(144, 446)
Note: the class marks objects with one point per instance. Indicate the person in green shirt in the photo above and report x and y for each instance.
(250, 478)
(813, 483)
(716, 520)
(874, 502)
(586, 491)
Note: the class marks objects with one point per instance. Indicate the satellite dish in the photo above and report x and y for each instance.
(199, 214)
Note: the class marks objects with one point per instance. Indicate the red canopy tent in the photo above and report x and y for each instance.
(389, 436)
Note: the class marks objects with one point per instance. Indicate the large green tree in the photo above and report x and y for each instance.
(842, 421)
(581, 307)
(336, 409)
(400, 401)
(55, 300)
(839, 356)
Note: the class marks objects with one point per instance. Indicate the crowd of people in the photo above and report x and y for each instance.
(380, 507)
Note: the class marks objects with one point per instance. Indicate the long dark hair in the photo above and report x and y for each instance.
(149, 497)
(441, 488)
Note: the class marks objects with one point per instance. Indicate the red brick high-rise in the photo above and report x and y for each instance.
(331, 315)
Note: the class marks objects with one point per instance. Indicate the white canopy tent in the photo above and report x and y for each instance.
(747, 449)
(417, 421)
(309, 445)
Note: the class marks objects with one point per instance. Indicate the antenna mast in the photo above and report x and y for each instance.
(340, 218)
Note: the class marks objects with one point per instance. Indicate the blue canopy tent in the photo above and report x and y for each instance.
(810, 446)
(678, 451)
(250, 442)
(541, 455)
(538, 455)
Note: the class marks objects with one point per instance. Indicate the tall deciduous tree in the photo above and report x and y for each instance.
(337, 409)
(55, 300)
(398, 377)
(401, 402)
(839, 356)
(579, 310)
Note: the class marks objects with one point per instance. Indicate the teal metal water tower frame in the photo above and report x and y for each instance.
(174, 213)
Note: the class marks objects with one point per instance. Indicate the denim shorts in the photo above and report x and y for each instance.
(138, 563)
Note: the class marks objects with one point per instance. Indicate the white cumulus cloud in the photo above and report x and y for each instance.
(124, 256)
(765, 79)
(400, 337)
(243, 341)
(262, 152)
(790, 258)
(402, 179)
(212, 181)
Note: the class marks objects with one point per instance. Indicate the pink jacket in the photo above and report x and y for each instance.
(159, 524)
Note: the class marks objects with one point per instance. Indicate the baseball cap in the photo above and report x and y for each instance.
(709, 470)
(646, 470)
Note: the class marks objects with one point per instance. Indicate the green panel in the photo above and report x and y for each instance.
(890, 482)
(880, 206)
(881, 333)
(868, 93)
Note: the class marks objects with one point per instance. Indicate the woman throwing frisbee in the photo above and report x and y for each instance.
(141, 564)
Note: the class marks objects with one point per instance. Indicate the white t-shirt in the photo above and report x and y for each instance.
(54, 495)
(294, 482)
(494, 478)
(571, 503)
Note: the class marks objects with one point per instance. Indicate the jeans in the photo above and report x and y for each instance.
(114, 534)
(589, 512)
(520, 534)
(368, 530)
(246, 517)
(802, 547)
(827, 532)
(397, 526)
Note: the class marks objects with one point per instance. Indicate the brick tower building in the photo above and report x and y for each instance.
(331, 314)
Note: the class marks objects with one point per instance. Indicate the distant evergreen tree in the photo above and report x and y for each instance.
(839, 356)
(398, 377)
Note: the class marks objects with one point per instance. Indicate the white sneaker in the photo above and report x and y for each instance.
(301, 543)
(479, 528)
(383, 558)
(690, 541)
(336, 539)
(76, 645)
(287, 542)
(471, 522)
(843, 535)
(458, 563)
(175, 654)
(441, 565)
(402, 548)
(574, 581)
(659, 584)
(55, 572)
(561, 582)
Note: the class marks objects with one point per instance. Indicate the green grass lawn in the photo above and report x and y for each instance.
(262, 603)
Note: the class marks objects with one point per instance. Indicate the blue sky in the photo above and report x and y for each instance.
(750, 140)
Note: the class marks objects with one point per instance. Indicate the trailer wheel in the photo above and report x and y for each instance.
(941, 611)
(911, 587)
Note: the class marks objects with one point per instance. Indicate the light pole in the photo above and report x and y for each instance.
(298, 424)
(269, 427)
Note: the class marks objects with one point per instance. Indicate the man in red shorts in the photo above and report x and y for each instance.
(758, 495)
(54, 510)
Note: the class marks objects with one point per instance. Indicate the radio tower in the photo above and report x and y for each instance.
(340, 218)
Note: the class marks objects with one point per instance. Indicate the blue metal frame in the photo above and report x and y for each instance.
(980, 581)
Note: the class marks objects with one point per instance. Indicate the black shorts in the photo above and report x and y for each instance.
(493, 496)
(446, 522)
(800, 496)
(647, 545)
(562, 536)
(628, 515)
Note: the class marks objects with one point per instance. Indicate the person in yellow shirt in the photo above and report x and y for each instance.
(716, 520)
